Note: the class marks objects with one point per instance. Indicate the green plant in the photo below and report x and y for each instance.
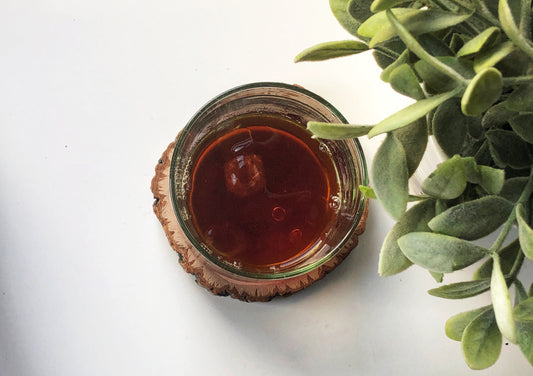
(468, 64)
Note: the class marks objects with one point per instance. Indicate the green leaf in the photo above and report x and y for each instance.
(388, 53)
(483, 40)
(403, 79)
(330, 50)
(493, 56)
(411, 113)
(390, 176)
(473, 173)
(367, 192)
(378, 21)
(522, 124)
(501, 301)
(461, 290)
(340, 9)
(413, 45)
(511, 29)
(438, 277)
(438, 81)
(513, 187)
(334, 131)
(391, 258)
(482, 92)
(379, 5)
(416, 21)
(524, 311)
(474, 219)
(507, 258)
(482, 341)
(492, 179)
(414, 139)
(508, 149)
(456, 325)
(402, 59)
(497, 116)
(525, 233)
(520, 293)
(521, 99)
(448, 180)
(440, 253)
(450, 126)
(524, 333)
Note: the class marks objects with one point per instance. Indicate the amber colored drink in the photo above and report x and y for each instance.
(263, 192)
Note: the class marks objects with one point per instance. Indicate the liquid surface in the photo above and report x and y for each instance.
(261, 194)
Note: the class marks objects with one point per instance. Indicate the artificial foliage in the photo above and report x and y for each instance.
(468, 66)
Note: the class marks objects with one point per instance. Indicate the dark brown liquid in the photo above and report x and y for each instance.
(261, 192)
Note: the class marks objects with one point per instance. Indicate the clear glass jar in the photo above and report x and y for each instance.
(300, 106)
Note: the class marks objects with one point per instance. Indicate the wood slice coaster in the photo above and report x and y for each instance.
(213, 277)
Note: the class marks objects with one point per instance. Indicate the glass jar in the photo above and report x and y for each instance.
(299, 106)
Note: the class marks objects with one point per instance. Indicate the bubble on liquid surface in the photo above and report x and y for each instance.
(334, 202)
(278, 214)
(227, 239)
(295, 235)
(245, 175)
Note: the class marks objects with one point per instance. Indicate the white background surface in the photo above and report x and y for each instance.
(91, 93)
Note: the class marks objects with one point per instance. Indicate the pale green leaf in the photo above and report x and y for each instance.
(524, 311)
(525, 233)
(330, 50)
(508, 256)
(522, 124)
(390, 176)
(513, 187)
(404, 80)
(482, 341)
(482, 92)
(481, 41)
(492, 179)
(501, 301)
(378, 21)
(340, 9)
(456, 325)
(437, 276)
(520, 293)
(402, 59)
(474, 219)
(414, 139)
(450, 126)
(379, 5)
(438, 81)
(511, 29)
(508, 149)
(448, 180)
(524, 334)
(367, 192)
(391, 258)
(411, 113)
(493, 56)
(521, 99)
(414, 46)
(337, 131)
(461, 290)
(416, 21)
(440, 253)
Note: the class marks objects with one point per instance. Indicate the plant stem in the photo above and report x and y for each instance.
(510, 81)
(510, 221)
(415, 47)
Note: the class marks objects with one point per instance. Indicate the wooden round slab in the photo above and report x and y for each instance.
(213, 277)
